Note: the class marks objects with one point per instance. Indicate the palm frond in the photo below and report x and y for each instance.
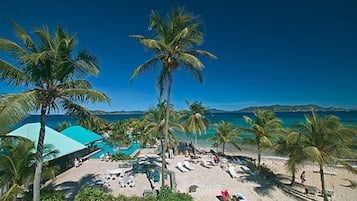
(7, 45)
(85, 95)
(148, 65)
(201, 52)
(44, 35)
(15, 107)
(191, 60)
(11, 74)
(22, 34)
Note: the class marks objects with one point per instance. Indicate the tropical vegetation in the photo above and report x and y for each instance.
(174, 36)
(17, 165)
(326, 140)
(52, 77)
(265, 126)
(225, 133)
(196, 121)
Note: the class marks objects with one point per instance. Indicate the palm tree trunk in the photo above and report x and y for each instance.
(292, 179)
(39, 160)
(224, 146)
(259, 152)
(166, 129)
(323, 182)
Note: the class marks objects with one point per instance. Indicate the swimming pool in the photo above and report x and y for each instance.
(105, 148)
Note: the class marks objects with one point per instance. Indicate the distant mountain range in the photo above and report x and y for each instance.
(274, 108)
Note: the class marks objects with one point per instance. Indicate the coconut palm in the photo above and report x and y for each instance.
(196, 121)
(17, 165)
(52, 79)
(174, 37)
(289, 144)
(326, 140)
(226, 133)
(119, 133)
(264, 126)
(155, 126)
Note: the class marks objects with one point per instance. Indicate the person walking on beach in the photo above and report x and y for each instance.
(302, 177)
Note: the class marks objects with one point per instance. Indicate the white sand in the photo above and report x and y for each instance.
(210, 182)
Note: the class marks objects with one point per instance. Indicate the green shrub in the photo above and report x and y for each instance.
(119, 156)
(167, 194)
(93, 194)
(47, 194)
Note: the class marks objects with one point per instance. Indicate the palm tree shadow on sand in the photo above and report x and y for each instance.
(71, 189)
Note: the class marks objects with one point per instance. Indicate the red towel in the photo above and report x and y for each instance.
(224, 194)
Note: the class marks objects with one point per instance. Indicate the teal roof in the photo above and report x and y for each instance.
(62, 143)
(81, 135)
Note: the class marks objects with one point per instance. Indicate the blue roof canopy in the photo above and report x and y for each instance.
(62, 143)
(81, 135)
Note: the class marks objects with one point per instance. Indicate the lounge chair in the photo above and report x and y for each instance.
(247, 170)
(180, 167)
(239, 197)
(206, 165)
(232, 171)
(311, 190)
(187, 165)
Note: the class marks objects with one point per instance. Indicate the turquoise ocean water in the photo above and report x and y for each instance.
(289, 118)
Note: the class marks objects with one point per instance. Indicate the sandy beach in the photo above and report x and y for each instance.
(210, 181)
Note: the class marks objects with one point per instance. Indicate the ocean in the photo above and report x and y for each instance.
(288, 118)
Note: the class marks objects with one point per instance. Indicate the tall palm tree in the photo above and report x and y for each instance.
(226, 133)
(326, 140)
(196, 121)
(51, 75)
(174, 37)
(264, 126)
(289, 144)
(17, 156)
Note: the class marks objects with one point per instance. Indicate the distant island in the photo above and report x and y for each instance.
(274, 108)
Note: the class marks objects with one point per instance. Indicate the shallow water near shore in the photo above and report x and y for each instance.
(288, 118)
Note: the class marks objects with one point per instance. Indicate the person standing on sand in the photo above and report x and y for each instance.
(302, 177)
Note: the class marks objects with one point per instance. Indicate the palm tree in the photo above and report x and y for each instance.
(119, 133)
(174, 37)
(155, 125)
(263, 127)
(51, 75)
(326, 140)
(289, 144)
(196, 121)
(17, 165)
(225, 133)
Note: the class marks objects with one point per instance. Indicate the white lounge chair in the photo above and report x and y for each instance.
(180, 167)
(232, 171)
(187, 165)
(239, 197)
(206, 165)
(247, 170)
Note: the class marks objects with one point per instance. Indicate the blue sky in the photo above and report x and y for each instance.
(269, 52)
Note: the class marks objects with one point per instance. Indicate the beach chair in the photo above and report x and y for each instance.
(180, 167)
(311, 190)
(232, 171)
(187, 165)
(205, 164)
(246, 170)
(239, 197)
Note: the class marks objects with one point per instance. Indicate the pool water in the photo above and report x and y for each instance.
(105, 148)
